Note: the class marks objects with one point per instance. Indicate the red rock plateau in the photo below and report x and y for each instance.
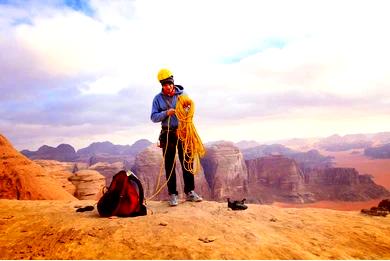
(44, 229)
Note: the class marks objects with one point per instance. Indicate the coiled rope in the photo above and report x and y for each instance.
(193, 148)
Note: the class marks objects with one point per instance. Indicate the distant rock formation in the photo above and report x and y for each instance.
(380, 152)
(89, 184)
(108, 170)
(225, 171)
(108, 148)
(276, 178)
(149, 167)
(339, 143)
(137, 147)
(347, 142)
(21, 178)
(266, 150)
(126, 161)
(344, 184)
(246, 144)
(309, 159)
(312, 159)
(105, 147)
(63, 152)
(94, 153)
(299, 144)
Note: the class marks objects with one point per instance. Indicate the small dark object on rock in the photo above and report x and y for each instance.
(374, 212)
(237, 204)
(385, 204)
(273, 220)
(207, 239)
(87, 208)
(383, 209)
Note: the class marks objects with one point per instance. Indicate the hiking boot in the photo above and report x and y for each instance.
(192, 196)
(237, 204)
(173, 200)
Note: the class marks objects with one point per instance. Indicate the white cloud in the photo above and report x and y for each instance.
(105, 85)
(67, 44)
(232, 57)
(113, 13)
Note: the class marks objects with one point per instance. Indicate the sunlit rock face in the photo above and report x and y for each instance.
(225, 171)
(276, 178)
(21, 178)
(89, 184)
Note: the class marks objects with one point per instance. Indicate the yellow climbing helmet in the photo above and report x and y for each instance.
(164, 74)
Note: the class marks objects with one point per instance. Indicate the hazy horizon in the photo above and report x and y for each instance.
(264, 142)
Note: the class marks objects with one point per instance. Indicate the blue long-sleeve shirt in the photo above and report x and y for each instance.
(160, 106)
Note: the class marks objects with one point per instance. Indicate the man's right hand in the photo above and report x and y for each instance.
(171, 112)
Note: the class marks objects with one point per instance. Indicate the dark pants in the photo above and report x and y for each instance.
(188, 177)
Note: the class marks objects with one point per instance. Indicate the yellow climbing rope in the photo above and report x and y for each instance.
(193, 148)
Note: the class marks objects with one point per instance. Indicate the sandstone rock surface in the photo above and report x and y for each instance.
(108, 170)
(89, 184)
(225, 171)
(201, 231)
(21, 178)
(276, 178)
(344, 184)
(60, 171)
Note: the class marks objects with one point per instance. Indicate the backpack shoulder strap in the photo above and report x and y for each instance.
(168, 103)
(172, 100)
(140, 188)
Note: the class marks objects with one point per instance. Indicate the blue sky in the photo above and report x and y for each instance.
(81, 6)
(83, 71)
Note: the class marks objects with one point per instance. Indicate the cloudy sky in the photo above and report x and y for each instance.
(83, 71)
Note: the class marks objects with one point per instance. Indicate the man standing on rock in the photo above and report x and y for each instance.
(163, 110)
